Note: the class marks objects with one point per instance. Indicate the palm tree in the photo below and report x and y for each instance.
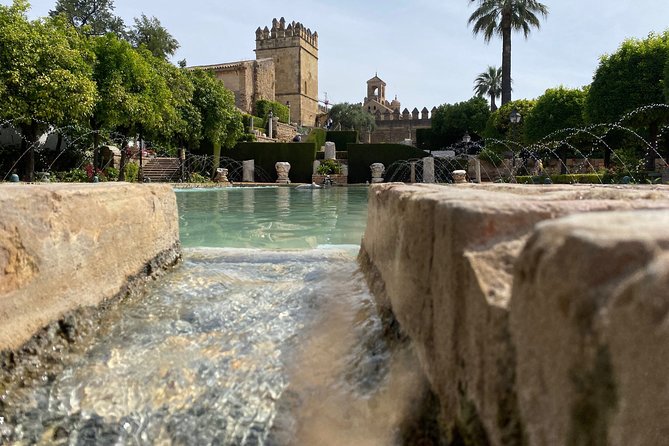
(489, 83)
(501, 17)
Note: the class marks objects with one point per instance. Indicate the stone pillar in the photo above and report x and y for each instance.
(330, 151)
(428, 169)
(459, 176)
(377, 171)
(248, 170)
(282, 169)
(475, 165)
(412, 172)
(317, 164)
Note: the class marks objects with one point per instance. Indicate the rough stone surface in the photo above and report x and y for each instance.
(443, 260)
(65, 246)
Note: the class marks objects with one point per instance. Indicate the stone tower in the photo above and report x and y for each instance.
(294, 50)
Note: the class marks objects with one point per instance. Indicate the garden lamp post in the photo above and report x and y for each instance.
(514, 117)
(271, 117)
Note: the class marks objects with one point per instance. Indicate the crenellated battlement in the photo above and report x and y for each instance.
(282, 34)
(405, 115)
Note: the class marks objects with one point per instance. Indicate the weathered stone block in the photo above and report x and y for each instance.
(64, 246)
(444, 262)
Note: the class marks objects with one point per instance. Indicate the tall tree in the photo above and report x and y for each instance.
(150, 33)
(92, 17)
(221, 121)
(451, 121)
(501, 17)
(45, 77)
(631, 78)
(489, 83)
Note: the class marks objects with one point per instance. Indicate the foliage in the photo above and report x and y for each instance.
(451, 121)
(501, 17)
(197, 178)
(499, 124)
(631, 77)
(92, 17)
(361, 156)
(72, 176)
(317, 136)
(347, 116)
(575, 178)
(131, 172)
(149, 33)
(329, 167)
(300, 155)
(489, 83)
(557, 109)
(492, 156)
(263, 107)
(221, 122)
(342, 138)
(45, 74)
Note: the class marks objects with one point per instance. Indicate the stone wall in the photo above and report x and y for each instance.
(533, 326)
(66, 246)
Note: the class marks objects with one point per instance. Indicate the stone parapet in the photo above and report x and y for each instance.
(67, 246)
(538, 313)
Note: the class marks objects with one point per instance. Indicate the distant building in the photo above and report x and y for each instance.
(285, 71)
(391, 124)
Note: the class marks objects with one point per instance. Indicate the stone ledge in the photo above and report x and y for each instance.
(65, 246)
(448, 259)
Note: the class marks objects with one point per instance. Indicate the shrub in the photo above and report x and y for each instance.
(361, 156)
(131, 172)
(576, 178)
(72, 176)
(263, 107)
(197, 178)
(329, 167)
(317, 136)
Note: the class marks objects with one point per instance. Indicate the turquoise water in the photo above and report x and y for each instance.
(272, 217)
(266, 334)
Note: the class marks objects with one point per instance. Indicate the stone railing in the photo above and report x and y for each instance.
(539, 314)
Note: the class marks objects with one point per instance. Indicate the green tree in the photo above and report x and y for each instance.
(557, 109)
(150, 33)
(489, 83)
(45, 77)
(451, 121)
(221, 121)
(632, 77)
(351, 116)
(501, 17)
(93, 17)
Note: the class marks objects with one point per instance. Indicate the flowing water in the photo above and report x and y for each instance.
(266, 334)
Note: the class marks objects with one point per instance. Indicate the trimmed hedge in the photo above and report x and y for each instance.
(361, 156)
(576, 178)
(342, 138)
(317, 136)
(300, 155)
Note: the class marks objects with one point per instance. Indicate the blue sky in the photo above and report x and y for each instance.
(423, 49)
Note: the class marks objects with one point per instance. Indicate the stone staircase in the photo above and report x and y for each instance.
(162, 169)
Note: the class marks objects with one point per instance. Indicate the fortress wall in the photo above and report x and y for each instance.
(68, 246)
(539, 314)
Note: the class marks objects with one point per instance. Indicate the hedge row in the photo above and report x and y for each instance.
(342, 138)
(301, 157)
(576, 178)
(361, 156)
